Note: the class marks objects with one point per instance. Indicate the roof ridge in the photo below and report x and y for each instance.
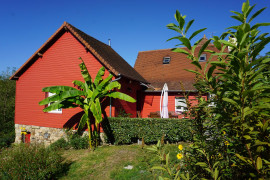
(86, 34)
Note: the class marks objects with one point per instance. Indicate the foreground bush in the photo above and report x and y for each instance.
(30, 162)
(129, 130)
(231, 139)
(74, 141)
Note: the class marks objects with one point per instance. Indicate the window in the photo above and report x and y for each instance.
(57, 111)
(166, 60)
(180, 104)
(202, 58)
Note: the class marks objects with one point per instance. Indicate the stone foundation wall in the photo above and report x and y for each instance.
(46, 135)
(39, 134)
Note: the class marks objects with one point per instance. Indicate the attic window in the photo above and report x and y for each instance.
(202, 58)
(166, 60)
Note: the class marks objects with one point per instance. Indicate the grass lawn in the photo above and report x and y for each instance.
(108, 162)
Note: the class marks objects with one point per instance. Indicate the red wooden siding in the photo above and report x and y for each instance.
(58, 66)
(130, 88)
(151, 102)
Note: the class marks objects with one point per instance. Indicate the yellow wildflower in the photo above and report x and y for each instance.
(224, 132)
(233, 165)
(179, 156)
(226, 143)
(180, 147)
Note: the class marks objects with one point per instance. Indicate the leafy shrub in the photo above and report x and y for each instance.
(78, 142)
(30, 162)
(128, 130)
(231, 139)
(60, 144)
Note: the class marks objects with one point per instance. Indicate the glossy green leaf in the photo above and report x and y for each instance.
(180, 50)
(121, 96)
(196, 32)
(259, 163)
(99, 76)
(196, 72)
(84, 71)
(80, 84)
(57, 89)
(204, 46)
(256, 14)
(82, 123)
(188, 25)
(186, 42)
(197, 64)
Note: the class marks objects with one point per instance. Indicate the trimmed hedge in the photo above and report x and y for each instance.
(128, 130)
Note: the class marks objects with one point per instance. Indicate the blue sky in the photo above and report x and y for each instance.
(132, 25)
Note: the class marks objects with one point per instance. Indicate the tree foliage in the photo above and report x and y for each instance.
(7, 107)
(231, 138)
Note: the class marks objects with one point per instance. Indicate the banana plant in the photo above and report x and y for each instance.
(88, 96)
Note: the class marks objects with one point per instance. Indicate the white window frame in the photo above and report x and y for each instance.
(166, 60)
(203, 56)
(180, 101)
(56, 111)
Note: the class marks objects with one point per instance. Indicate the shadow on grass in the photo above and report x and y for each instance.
(64, 171)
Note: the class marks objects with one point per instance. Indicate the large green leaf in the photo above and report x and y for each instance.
(57, 89)
(259, 25)
(180, 50)
(196, 32)
(101, 87)
(256, 14)
(188, 25)
(80, 84)
(231, 101)
(62, 96)
(82, 123)
(197, 64)
(96, 111)
(186, 42)
(99, 76)
(204, 46)
(227, 43)
(112, 86)
(122, 96)
(85, 73)
(59, 105)
(196, 72)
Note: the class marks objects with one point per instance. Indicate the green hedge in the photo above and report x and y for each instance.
(128, 130)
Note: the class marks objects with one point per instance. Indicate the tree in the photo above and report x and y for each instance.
(7, 107)
(237, 127)
(88, 97)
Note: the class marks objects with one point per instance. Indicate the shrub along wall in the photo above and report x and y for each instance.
(123, 130)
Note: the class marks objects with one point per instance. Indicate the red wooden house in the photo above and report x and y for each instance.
(164, 66)
(56, 63)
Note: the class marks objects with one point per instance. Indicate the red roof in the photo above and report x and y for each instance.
(150, 65)
(104, 53)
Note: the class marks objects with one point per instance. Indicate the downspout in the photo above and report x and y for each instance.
(110, 97)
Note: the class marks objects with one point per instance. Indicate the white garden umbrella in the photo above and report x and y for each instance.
(164, 102)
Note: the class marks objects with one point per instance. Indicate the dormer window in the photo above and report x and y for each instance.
(166, 60)
(202, 58)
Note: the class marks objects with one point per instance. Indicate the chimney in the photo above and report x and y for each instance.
(109, 42)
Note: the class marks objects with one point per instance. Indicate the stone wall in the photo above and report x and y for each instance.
(46, 135)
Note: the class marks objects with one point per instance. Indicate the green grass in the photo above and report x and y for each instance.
(108, 162)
